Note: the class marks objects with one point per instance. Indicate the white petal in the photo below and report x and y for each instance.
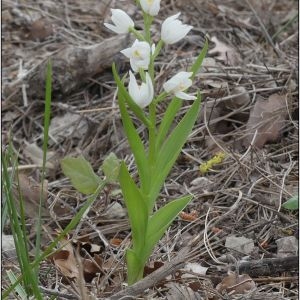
(113, 28)
(133, 87)
(169, 85)
(185, 96)
(127, 52)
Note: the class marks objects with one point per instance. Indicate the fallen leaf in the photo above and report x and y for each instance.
(30, 191)
(189, 217)
(195, 268)
(287, 246)
(179, 291)
(65, 261)
(240, 244)
(40, 29)
(115, 211)
(236, 284)
(35, 154)
(226, 53)
(242, 98)
(268, 118)
(115, 242)
(8, 246)
(62, 127)
(90, 269)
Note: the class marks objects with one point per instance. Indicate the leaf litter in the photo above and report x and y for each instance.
(246, 87)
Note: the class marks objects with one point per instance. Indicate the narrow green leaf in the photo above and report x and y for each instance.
(161, 220)
(81, 174)
(135, 143)
(135, 267)
(197, 64)
(123, 92)
(172, 147)
(136, 207)
(111, 167)
(19, 289)
(292, 203)
(167, 120)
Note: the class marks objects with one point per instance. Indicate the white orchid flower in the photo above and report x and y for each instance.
(142, 95)
(151, 7)
(139, 55)
(122, 22)
(178, 83)
(172, 30)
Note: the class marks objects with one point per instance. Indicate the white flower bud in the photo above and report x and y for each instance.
(151, 7)
(142, 95)
(122, 22)
(172, 30)
(178, 83)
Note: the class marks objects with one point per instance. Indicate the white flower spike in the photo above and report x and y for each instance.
(178, 83)
(139, 55)
(141, 95)
(172, 30)
(151, 7)
(122, 22)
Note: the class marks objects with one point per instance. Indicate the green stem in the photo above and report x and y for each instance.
(137, 34)
(158, 48)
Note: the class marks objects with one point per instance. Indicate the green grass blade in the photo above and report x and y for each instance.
(47, 114)
(197, 64)
(161, 220)
(172, 147)
(48, 251)
(29, 275)
(136, 207)
(18, 289)
(167, 120)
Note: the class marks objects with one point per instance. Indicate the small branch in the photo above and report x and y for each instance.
(269, 266)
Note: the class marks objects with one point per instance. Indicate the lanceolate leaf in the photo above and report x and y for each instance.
(135, 143)
(135, 267)
(197, 64)
(172, 147)
(136, 206)
(167, 120)
(81, 174)
(162, 219)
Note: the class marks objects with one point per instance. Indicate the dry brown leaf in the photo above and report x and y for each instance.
(66, 125)
(268, 118)
(236, 102)
(30, 191)
(226, 53)
(35, 154)
(65, 261)
(236, 284)
(90, 269)
(179, 291)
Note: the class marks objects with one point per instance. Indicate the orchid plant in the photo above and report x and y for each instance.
(154, 158)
